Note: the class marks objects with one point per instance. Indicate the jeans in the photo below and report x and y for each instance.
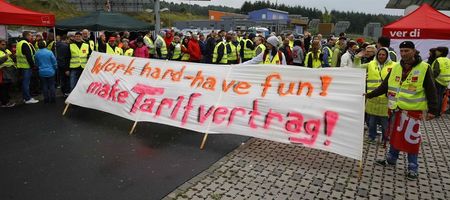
(392, 157)
(48, 88)
(440, 93)
(74, 76)
(26, 84)
(373, 122)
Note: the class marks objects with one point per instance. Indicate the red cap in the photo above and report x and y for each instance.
(112, 39)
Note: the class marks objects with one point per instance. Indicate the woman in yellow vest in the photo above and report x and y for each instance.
(184, 49)
(111, 47)
(6, 68)
(312, 58)
(271, 55)
(127, 51)
(377, 107)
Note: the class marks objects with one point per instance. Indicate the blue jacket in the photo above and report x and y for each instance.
(46, 62)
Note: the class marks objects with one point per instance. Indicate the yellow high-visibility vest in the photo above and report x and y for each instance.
(444, 74)
(79, 56)
(275, 60)
(128, 52)
(21, 59)
(149, 41)
(409, 94)
(9, 62)
(316, 63)
(115, 51)
(234, 54)
(377, 106)
(224, 59)
(248, 53)
(177, 51)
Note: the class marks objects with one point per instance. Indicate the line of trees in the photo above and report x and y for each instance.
(358, 20)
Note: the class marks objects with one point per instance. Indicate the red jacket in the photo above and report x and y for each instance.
(194, 50)
(168, 38)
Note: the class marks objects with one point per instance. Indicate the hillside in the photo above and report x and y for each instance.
(64, 10)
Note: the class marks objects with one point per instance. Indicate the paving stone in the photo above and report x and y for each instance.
(257, 171)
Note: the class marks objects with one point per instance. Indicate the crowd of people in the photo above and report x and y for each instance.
(391, 86)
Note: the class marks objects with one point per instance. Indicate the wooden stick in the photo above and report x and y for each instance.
(65, 109)
(133, 127)
(203, 141)
(360, 170)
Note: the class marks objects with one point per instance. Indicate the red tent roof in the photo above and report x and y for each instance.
(13, 15)
(424, 23)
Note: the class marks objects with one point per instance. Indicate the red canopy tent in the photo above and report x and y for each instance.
(14, 15)
(426, 27)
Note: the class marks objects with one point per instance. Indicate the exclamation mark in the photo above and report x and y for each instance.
(326, 80)
(331, 119)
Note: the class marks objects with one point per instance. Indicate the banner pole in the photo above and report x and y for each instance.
(65, 109)
(133, 127)
(203, 141)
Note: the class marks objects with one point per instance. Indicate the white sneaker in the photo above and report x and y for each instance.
(31, 101)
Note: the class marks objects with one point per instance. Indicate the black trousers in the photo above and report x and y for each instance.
(4, 93)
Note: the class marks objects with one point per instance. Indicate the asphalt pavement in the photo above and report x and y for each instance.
(88, 154)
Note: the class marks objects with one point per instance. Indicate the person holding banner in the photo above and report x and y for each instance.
(411, 97)
(271, 55)
(79, 54)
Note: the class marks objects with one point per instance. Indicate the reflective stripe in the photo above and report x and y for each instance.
(392, 88)
(446, 75)
(412, 100)
(407, 91)
(371, 88)
(373, 81)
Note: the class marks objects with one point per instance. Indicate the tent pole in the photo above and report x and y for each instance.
(95, 38)
(54, 39)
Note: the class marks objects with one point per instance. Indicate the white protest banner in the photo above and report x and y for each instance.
(317, 108)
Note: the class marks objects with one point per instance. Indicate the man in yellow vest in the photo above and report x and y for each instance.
(271, 55)
(411, 97)
(51, 44)
(235, 48)
(149, 43)
(220, 53)
(260, 47)
(87, 38)
(6, 66)
(160, 45)
(25, 61)
(441, 72)
(247, 47)
(79, 54)
(174, 51)
(327, 51)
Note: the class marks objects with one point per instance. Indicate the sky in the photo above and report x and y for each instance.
(366, 6)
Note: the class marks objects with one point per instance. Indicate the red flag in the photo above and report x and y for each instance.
(405, 134)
